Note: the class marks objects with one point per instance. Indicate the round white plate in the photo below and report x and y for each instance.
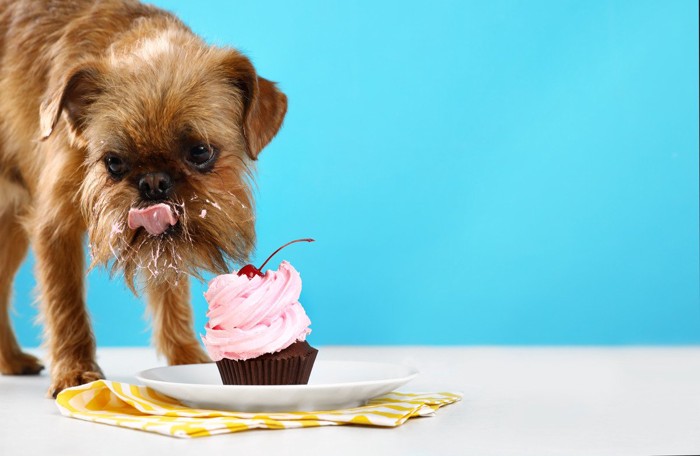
(333, 385)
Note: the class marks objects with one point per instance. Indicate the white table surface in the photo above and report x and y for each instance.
(518, 401)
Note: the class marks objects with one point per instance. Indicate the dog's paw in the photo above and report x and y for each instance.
(188, 356)
(62, 378)
(21, 364)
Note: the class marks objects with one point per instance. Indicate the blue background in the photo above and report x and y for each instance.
(484, 172)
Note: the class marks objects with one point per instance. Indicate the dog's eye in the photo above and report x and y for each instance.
(201, 156)
(115, 165)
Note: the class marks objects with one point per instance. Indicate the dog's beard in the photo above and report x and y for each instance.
(215, 227)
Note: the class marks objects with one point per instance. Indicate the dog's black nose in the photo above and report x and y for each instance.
(155, 186)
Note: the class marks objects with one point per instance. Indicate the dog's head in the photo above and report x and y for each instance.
(169, 138)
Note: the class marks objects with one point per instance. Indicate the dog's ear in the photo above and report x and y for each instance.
(264, 104)
(70, 94)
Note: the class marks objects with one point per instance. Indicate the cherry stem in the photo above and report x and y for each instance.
(285, 245)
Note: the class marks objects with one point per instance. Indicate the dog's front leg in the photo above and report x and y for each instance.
(173, 331)
(57, 236)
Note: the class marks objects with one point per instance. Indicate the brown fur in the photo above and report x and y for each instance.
(79, 80)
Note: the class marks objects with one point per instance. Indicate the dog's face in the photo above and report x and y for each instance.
(169, 141)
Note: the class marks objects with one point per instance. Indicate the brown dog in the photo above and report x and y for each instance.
(118, 121)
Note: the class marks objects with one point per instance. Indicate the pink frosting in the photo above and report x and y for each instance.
(251, 317)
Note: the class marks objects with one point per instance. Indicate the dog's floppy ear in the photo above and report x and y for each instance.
(264, 104)
(70, 94)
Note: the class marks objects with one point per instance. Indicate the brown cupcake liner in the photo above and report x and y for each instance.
(291, 366)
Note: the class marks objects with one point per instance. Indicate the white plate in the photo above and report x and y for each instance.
(333, 385)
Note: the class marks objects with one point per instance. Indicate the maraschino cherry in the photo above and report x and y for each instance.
(251, 271)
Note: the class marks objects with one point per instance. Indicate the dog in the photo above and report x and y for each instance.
(118, 122)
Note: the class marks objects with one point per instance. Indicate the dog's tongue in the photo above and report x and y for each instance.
(155, 219)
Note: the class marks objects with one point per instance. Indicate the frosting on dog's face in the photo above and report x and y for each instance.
(170, 134)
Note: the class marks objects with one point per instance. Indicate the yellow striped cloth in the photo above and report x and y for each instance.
(139, 407)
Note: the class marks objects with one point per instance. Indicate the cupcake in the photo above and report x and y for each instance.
(257, 328)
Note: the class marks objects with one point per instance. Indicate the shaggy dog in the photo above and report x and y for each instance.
(119, 122)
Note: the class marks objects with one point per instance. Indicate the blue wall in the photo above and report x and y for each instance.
(490, 172)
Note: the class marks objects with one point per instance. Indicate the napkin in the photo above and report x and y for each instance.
(139, 407)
